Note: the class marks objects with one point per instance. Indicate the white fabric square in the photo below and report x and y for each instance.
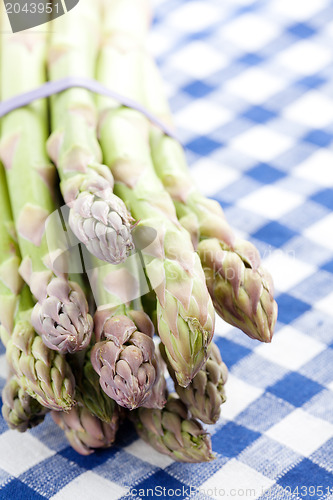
(271, 202)
(250, 32)
(305, 58)
(222, 328)
(301, 432)
(298, 9)
(261, 143)
(158, 42)
(317, 168)
(205, 169)
(143, 451)
(330, 386)
(234, 479)
(254, 85)
(313, 109)
(198, 60)
(326, 304)
(322, 232)
(286, 270)
(290, 348)
(194, 16)
(89, 485)
(21, 451)
(202, 116)
(239, 396)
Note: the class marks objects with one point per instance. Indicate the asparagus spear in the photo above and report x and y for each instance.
(242, 291)
(20, 410)
(10, 281)
(185, 312)
(40, 372)
(205, 394)
(61, 316)
(86, 432)
(43, 373)
(172, 432)
(97, 217)
(184, 309)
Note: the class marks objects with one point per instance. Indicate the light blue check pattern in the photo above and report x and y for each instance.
(250, 84)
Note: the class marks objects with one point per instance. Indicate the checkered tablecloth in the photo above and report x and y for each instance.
(251, 86)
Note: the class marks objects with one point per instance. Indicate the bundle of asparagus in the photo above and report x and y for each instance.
(152, 235)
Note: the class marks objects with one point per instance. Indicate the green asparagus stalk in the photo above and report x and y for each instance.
(184, 309)
(172, 432)
(185, 312)
(97, 217)
(43, 373)
(20, 411)
(84, 431)
(205, 394)
(40, 372)
(242, 291)
(61, 315)
(10, 281)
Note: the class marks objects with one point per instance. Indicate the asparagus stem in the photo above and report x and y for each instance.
(97, 217)
(61, 316)
(242, 291)
(10, 281)
(185, 313)
(184, 310)
(41, 373)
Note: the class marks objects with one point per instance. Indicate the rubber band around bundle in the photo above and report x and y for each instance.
(55, 87)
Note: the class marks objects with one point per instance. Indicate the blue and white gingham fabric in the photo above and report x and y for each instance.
(251, 87)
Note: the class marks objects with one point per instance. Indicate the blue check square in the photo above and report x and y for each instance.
(295, 388)
(290, 308)
(265, 173)
(312, 476)
(231, 439)
(198, 89)
(259, 114)
(319, 138)
(275, 234)
(301, 30)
